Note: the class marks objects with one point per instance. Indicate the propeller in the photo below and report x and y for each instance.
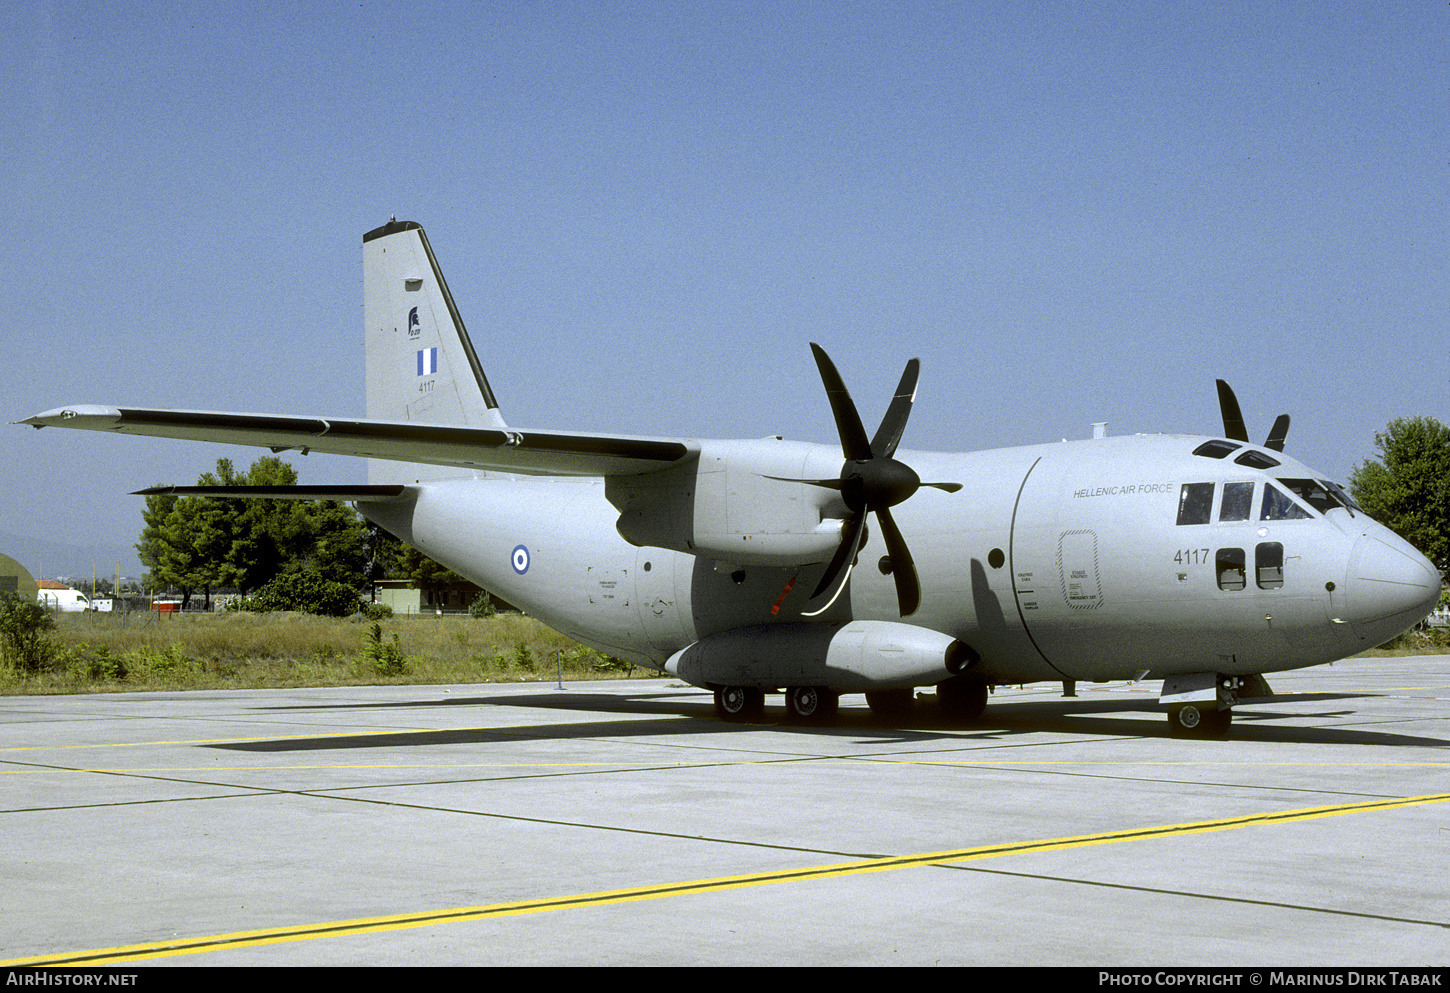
(1233, 420)
(872, 481)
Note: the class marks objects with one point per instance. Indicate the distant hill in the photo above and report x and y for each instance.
(60, 558)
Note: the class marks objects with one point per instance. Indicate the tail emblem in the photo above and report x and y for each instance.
(414, 329)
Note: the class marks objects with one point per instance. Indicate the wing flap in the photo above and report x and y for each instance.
(498, 449)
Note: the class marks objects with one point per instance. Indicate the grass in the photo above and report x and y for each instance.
(1431, 641)
(98, 653)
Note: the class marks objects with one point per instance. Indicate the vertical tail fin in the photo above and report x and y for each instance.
(420, 364)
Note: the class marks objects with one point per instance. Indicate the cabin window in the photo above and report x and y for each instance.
(1269, 565)
(1195, 503)
(1278, 507)
(1238, 502)
(1216, 449)
(1230, 565)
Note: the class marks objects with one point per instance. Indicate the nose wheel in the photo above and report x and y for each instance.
(1194, 721)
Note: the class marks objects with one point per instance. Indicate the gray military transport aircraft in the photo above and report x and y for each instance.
(749, 567)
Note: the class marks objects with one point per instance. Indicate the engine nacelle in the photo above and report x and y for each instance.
(847, 657)
(739, 503)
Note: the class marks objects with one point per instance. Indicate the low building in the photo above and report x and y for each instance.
(449, 598)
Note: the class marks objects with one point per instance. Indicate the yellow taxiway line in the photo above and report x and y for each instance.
(366, 925)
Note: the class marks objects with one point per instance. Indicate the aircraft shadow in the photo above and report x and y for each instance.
(1092, 718)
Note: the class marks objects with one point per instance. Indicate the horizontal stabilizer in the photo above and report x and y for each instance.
(496, 449)
(364, 493)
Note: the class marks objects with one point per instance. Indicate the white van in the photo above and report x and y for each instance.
(67, 600)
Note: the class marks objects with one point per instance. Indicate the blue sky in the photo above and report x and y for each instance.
(1072, 212)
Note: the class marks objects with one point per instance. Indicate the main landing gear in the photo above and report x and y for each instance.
(959, 698)
(804, 704)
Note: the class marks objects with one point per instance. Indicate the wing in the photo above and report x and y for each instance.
(546, 453)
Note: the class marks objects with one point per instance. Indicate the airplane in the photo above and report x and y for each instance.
(750, 567)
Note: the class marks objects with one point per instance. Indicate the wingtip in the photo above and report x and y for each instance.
(60, 415)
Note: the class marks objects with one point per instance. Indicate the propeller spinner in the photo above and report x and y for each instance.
(872, 481)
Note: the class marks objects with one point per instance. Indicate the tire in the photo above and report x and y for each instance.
(739, 703)
(811, 704)
(1192, 721)
(962, 699)
(891, 704)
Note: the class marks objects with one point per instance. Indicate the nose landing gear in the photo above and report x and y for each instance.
(1199, 702)
(1198, 721)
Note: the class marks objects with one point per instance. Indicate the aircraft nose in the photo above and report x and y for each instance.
(1391, 586)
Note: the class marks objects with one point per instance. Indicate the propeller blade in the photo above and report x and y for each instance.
(888, 435)
(1233, 418)
(1278, 433)
(841, 562)
(848, 421)
(903, 568)
(851, 534)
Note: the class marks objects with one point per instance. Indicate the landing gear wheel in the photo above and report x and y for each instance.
(811, 703)
(1192, 721)
(961, 698)
(739, 703)
(890, 704)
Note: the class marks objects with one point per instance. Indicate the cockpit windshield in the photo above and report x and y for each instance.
(1320, 494)
(1342, 495)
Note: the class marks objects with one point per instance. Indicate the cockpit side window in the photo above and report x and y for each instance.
(1238, 502)
(1278, 507)
(1195, 503)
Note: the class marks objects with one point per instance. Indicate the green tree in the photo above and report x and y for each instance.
(339, 544)
(424, 573)
(194, 553)
(384, 554)
(152, 544)
(265, 537)
(205, 543)
(1408, 489)
(391, 558)
(183, 544)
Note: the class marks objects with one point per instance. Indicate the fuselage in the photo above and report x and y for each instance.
(1113, 558)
